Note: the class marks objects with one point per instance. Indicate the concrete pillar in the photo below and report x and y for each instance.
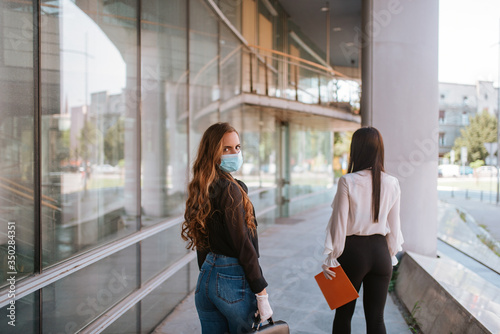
(400, 98)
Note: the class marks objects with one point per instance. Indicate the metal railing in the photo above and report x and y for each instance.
(277, 74)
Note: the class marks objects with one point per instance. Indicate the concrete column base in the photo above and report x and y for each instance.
(434, 308)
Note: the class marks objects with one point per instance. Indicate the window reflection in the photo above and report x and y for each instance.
(257, 129)
(128, 323)
(164, 299)
(89, 109)
(16, 137)
(161, 251)
(26, 316)
(72, 302)
(164, 101)
(311, 161)
(204, 90)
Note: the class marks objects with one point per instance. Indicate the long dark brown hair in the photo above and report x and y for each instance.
(367, 151)
(206, 174)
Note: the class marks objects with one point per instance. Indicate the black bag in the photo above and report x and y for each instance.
(272, 327)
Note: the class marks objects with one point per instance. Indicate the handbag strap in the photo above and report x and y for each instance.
(257, 320)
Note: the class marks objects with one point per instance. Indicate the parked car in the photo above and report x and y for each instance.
(486, 171)
(466, 170)
(448, 170)
(105, 169)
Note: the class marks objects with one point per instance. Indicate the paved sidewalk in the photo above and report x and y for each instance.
(291, 254)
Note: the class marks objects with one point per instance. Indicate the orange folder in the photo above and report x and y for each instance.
(338, 291)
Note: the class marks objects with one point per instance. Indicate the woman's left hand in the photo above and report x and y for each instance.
(329, 274)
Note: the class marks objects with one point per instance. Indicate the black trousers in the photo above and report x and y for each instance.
(365, 260)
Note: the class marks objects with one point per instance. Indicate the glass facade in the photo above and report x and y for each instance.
(164, 150)
(102, 107)
(17, 166)
(88, 94)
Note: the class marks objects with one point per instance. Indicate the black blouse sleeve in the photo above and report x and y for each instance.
(234, 216)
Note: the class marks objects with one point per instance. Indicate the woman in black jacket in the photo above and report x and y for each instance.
(220, 224)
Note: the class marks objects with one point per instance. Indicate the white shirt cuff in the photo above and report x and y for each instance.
(331, 263)
(394, 260)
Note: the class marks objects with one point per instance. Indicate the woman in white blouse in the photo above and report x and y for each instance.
(364, 233)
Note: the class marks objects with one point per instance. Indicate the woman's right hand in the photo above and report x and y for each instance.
(329, 274)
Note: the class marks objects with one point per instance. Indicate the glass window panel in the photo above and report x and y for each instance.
(128, 323)
(89, 136)
(266, 219)
(161, 250)
(164, 103)
(26, 314)
(257, 129)
(74, 301)
(263, 199)
(203, 71)
(161, 301)
(230, 64)
(247, 124)
(268, 149)
(16, 138)
(311, 160)
(232, 10)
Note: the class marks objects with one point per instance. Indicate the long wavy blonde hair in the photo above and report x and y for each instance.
(206, 173)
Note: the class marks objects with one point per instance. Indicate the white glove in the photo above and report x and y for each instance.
(329, 274)
(263, 307)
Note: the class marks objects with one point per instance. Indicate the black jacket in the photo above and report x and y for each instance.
(228, 233)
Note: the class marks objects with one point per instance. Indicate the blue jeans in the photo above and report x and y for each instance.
(224, 300)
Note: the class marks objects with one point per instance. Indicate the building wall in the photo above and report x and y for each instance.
(458, 103)
(121, 93)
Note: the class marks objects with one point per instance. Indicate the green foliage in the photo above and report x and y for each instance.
(489, 243)
(342, 142)
(482, 129)
(114, 143)
(412, 322)
(89, 140)
(477, 163)
(394, 278)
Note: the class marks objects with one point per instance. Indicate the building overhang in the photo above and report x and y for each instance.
(320, 116)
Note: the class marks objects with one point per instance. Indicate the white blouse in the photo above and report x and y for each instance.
(352, 214)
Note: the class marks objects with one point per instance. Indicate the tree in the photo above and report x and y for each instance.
(342, 141)
(482, 129)
(89, 142)
(114, 143)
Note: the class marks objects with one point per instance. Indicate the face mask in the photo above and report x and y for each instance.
(231, 162)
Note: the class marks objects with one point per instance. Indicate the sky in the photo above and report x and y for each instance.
(89, 58)
(469, 41)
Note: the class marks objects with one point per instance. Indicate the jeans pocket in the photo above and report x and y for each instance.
(230, 289)
(200, 278)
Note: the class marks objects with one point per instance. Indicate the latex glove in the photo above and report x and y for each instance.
(263, 307)
(329, 274)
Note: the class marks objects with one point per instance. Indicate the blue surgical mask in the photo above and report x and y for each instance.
(231, 162)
